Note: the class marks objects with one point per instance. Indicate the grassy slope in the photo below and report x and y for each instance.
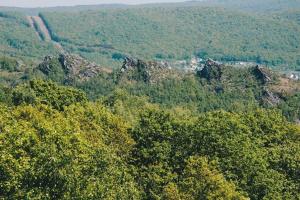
(177, 33)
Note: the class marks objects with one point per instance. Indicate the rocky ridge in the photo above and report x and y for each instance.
(73, 66)
(263, 74)
(211, 70)
(146, 71)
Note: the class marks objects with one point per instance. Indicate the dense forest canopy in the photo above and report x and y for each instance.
(55, 144)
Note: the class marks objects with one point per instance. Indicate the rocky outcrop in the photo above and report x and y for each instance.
(73, 67)
(76, 66)
(270, 98)
(129, 63)
(263, 74)
(211, 70)
(146, 71)
(49, 64)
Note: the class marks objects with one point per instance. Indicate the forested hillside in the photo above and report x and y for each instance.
(18, 38)
(256, 5)
(160, 31)
(293, 15)
(148, 131)
(177, 33)
(211, 88)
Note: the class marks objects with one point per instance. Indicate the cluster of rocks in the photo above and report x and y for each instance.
(47, 65)
(211, 70)
(263, 74)
(270, 98)
(73, 66)
(147, 71)
(266, 77)
(129, 63)
(76, 66)
(132, 63)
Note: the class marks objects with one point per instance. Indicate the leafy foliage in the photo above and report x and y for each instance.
(54, 144)
(8, 64)
(48, 93)
(47, 154)
(246, 147)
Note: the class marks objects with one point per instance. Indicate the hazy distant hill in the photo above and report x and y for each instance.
(293, 15)
(256, 5)
(35, 11)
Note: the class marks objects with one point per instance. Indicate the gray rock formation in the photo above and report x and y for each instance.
(263, 74)
(76, 66)
(147, 71)
(270, 98)
(132, 63)
(73, 67)
(129, 63)
(211, 70)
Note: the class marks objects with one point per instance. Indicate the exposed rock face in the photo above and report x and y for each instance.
(263, 74)
(270, 98)
(76, 66)
(73, 66)
(147, 71)
(129, 63)
(46, 65)
(211, 70)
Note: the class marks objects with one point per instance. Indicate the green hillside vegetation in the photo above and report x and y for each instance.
(245, 5)
(161, 31)
(256, 5)
(173, 33)
(92, 150)
(18, 39)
